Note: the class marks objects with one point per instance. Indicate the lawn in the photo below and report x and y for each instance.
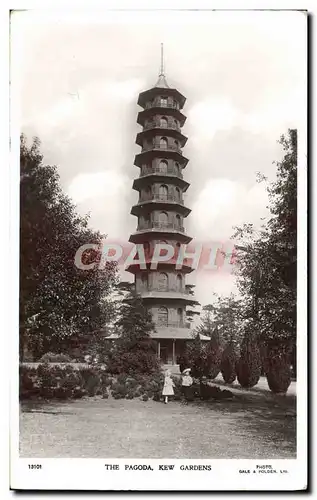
(250, 426)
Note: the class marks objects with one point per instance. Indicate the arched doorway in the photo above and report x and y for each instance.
(163, 281)
(163, 166)
(163, 219)
(163, 191)
(162, 319)
(163, 122)
(163, 143)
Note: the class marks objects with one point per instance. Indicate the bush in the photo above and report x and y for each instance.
(228, 364)
(183, 361)
(249, 364)
(119, 391)
(51, 357)
(278, 369)
(213, 358)
(91, 381)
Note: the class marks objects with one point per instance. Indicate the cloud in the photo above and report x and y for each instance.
(223, 204)
(243, 74)
(86, 186)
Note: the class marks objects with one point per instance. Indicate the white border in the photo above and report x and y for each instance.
(89, 474)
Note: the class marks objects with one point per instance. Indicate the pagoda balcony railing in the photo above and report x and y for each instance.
(158, 103)
(161, 225)
(167, 289)
(173, 324)
(162, 171)
(162, 147)
(161, 197)
(158, 124)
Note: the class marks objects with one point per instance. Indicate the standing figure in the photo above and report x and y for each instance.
(187, 382)
(168, 386)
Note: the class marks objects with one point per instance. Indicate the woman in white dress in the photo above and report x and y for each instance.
(168, 389)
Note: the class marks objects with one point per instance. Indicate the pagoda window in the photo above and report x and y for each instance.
(178, 245)
(163, 122)
(163, 218)
(175, 104)
(163, 251)
(163, 102)
(163, 191)
(163, 281)
(178, 221)
(163, 166)
(179, 282)
(176, 144)
(178, 194)
(177, 167)
(163, 316)
(175, 123)
(163, 143)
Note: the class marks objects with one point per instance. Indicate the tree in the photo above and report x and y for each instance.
(267, 262)
(135, 351)
(196, 355)
(225, 315)
(228, 364)
(278, 369)
(58, 301)
(213, 355)
(249, 364)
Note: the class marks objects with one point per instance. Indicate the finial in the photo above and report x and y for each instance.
(162, 61)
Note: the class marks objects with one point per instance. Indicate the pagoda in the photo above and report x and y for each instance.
(161, 212)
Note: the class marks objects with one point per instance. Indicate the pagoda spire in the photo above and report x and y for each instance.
(162, 83)
(162, 60)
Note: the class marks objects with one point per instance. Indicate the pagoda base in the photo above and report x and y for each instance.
(171, 343)
(168, 350)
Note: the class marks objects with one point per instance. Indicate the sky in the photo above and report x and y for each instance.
(244, 77)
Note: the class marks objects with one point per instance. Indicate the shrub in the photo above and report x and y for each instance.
(145, 397)
(183, 361)
(278, 369)
(249, 364)
(213, 358)
(51, 357)
(228, 364)
(119, 391)
(92, 384)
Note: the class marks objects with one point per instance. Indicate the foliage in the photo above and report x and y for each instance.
(267, 259)
(196, 352)
(183, 361)
(51, 357)
(58, 301)
(249, 365)
(207, 392)
(278, 369)
(228, 364)
(66, 381)
(213, 356)
(224, 315)
(135, 350)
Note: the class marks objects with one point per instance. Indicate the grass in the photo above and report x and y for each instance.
(250, 426)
